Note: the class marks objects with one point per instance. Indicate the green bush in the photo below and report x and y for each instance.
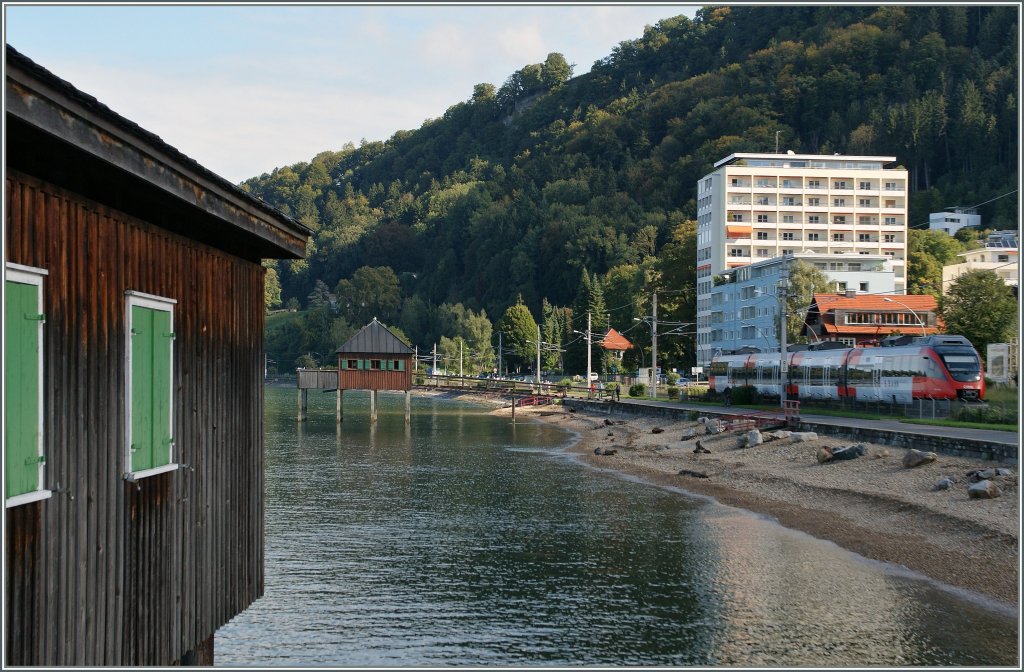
(564, 384)
(672, 378)
(745, 394)
(673, 392)
(637, 390)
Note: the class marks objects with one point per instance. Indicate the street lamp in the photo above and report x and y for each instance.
(919, 320)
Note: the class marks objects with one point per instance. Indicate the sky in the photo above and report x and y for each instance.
(244, 89)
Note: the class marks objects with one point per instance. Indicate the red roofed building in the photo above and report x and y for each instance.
(616, 343)
(866, 319)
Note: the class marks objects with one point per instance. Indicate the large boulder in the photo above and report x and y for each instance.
(915, 458)
(754, 438)
(984, 490)
(849, 452)
(824, 455)
(689, 433)
(944, 484)
(713, 427)
(799, 437)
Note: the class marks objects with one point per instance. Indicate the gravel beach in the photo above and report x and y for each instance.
(871, 505)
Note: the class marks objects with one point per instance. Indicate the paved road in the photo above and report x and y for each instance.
(1010, 438)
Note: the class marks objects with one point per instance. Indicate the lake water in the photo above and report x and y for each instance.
(464, 540)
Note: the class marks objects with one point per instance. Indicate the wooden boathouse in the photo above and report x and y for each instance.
(134, 407)
(375, 359)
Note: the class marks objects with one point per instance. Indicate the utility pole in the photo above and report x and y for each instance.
(499, 354)
(538, 359)
(588, 350)
(783, 292)
(654, 345)
(461, 381)
(416, 359)
(434, 369)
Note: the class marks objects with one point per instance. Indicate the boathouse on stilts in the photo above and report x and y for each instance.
(133, 413)
(375, 359)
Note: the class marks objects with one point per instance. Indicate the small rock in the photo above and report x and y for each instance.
(984, 490)
(713, 427)
(689, 433)
(880, 454)
(915, 458)
(703, 420)
(824, 455)
(754, 438)
(943, 484)
(1000, 471)
(657, 430)
(611, 434)
(804, 436)
(695, 474)
(608, 422)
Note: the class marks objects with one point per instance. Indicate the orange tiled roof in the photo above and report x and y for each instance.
(872, 302)
(613, 340)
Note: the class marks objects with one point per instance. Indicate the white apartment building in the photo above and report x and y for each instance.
(759, 206)
(954, 219)
(999, 256)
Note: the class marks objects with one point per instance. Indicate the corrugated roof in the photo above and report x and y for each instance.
(613, 340)
(374, 338)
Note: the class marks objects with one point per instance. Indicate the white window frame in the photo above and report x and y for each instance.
(30, 275)
(153, 302)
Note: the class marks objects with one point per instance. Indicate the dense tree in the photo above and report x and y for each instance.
(372, 292)
(519, 331)
(980, 306)
(805, 281)
(589, 302)
(271, 287)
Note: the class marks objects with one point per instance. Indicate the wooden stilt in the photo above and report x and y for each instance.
(303, 404)
(373, 405)
(338, 412)
(408, 407)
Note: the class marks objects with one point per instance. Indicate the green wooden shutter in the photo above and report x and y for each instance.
(401, 365)
(21, 404)
(151, 382)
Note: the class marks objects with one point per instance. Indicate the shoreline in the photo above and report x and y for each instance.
(872, 505)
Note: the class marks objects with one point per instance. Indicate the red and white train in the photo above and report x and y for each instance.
(932, 367)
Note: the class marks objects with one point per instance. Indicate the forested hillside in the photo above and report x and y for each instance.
(549, 187)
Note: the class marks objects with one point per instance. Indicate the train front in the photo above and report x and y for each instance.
(963, 365)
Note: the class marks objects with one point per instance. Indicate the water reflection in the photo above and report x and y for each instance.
(463, 540)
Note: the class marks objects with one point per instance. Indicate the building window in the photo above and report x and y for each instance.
(839, 219)
(852, 342)
(814, 202)
(865, 186)
(813, 184)
(813, 236)
(736, 252)
(787, 219)
(892, 186)
(24, 459)
(839, 184)
(761, 252)
(1003, 258)
(762, 200)
(813, 219)
(762, 218)
(149, 448)
(787, 235)
(375, 365)
(890, 221)
(735, 182)
(864, 237)
(352, 364)
(788, 200)
(762, 235)
(788, 251)
(890, 204)
(840, 288)
(890, 237)
(865, 202)
(863, 286)
(737, 217)
(838, 202)
(838, 237)
(787, 184)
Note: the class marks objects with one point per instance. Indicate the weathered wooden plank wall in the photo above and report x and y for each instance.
(119, 573)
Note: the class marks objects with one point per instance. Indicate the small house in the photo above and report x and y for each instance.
(375, 359)
(133, 416)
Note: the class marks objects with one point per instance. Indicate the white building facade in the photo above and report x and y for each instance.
(754, 207)
(744, 303)
(999, 256)
(952, 221)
